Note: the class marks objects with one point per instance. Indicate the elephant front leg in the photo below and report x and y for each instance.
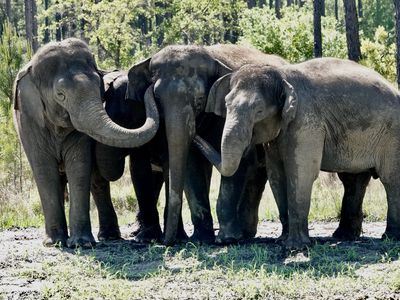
(254, 186)
(277, 181)
(49, 183)
(351, 215)
(108, 221)
(302, 163)
(147, 184)
(231, 191)
(51, 190)
(77, 160)
(197, 188)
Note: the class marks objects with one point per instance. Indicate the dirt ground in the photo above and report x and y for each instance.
(21, 253)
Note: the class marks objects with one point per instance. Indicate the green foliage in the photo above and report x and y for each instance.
(292, 35)
(380, 54)
(13, 170)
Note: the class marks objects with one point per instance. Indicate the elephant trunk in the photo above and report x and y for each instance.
(93, 120)
(236, 138)
(179, 125)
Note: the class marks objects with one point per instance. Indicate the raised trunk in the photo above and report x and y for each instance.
(94, 121)
(179, 136)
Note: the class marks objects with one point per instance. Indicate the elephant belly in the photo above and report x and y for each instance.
(354, 153)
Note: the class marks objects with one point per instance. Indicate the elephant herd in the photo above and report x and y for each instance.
(176, 114)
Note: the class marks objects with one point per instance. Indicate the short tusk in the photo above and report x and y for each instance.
(208, 151)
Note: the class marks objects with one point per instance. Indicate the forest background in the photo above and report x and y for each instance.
(121, 32)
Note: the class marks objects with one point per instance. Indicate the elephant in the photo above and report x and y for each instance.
(324, 114)
(147, 165)
(57, 108)
(182, 77)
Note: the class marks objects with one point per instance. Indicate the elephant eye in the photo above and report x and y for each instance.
(60, 96)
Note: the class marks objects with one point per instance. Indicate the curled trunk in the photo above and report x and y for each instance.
(94, 121)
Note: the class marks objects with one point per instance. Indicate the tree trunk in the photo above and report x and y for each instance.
(352, 34)
(57, 17)
(323, 8)
(289, 2)
(360, 8)
(46, 37)
(251, 3)
(271, 4)
(397, 8)
(336, 8)
(317, 28)
(261, 3)
(31, 23)
(278, 8)
(8, 10)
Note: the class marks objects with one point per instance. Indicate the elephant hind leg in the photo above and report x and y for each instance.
(351, 214)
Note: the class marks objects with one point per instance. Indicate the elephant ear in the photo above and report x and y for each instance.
(221, 69)
(290, 105)
(139, 79)
(110, 78)
(216, 96)
(26, 96)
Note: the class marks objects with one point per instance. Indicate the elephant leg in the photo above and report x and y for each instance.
(351, 214)
(197, 188)
(45, 169)
(302, 163)
(147, 184)
(231, 191)
(254, 187)
(78, 164)
(277, 181)
(388, 175)
(100, 188)
(181, 235)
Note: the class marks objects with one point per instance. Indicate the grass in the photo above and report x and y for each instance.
(24, 209)
(368, 268)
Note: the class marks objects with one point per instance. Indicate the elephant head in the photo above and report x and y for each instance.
(182, 77)
(64, 89)
(258, 103)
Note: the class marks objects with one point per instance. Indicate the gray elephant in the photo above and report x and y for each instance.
(57, 102)
(325, 114)
(148, 166)
(182, 77)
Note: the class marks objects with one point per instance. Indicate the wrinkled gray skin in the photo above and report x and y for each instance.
(57, 99)
(146, 166)
(182, 77)
(325, 114)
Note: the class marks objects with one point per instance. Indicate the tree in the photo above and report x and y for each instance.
(278, 8)
(352, 32)
(360, 8)
(336, 8)
(31, 23)
(397, 9)
(318, 6)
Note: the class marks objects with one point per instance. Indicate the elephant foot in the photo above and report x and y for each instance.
(391, 234)
(283, 237)
(203, 236)
(347, 233)
(229, 237)
(298, 242)
(109, 234)
(147, 234)
(55, 241)
(83, 241)
(181, 236)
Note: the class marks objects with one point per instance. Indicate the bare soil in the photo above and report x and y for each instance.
(22, 254)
